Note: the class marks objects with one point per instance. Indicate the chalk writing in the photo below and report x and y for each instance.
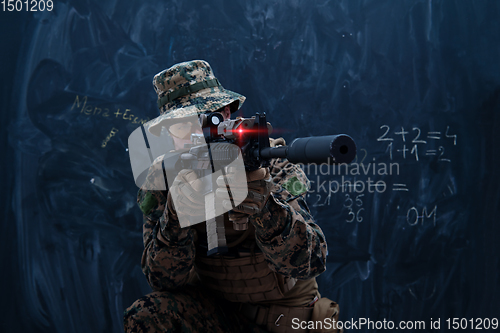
(354, 208)
(413, 216)
(399, 187)
(408, 151)
(365, 153)
(110, 135)
(80, 103)
(454, 136)
(319, 202)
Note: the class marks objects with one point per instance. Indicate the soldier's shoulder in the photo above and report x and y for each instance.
(152, 203)
(289, 180)
(152, 195)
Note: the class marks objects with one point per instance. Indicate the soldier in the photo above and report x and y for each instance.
(266, 281)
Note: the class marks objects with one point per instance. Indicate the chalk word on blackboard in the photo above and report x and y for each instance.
(416, 141)
(413, 216)
(92, 110)
(110, 135)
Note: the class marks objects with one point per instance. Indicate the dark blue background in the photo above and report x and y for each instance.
(71, 232)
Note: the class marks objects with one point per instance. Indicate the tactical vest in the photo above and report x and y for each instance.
(247, 279)
(264, 296)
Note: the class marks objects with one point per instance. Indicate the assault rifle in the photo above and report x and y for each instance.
(223, 142)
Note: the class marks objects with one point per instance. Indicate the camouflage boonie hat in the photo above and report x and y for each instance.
(188, 89)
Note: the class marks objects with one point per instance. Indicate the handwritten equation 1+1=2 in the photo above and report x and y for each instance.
(414, 145)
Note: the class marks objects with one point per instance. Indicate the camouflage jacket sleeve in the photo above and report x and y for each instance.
(293, 244)
(168, 251)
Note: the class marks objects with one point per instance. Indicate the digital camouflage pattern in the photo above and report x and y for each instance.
(187, 74)
(186, 310)
(285, 232)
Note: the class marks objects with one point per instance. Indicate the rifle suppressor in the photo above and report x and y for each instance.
(330, 149)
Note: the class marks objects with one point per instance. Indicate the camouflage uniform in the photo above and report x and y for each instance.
(282, 239)
(285, 232)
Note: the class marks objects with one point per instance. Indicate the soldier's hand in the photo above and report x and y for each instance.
(187, 196)
(259, 188)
